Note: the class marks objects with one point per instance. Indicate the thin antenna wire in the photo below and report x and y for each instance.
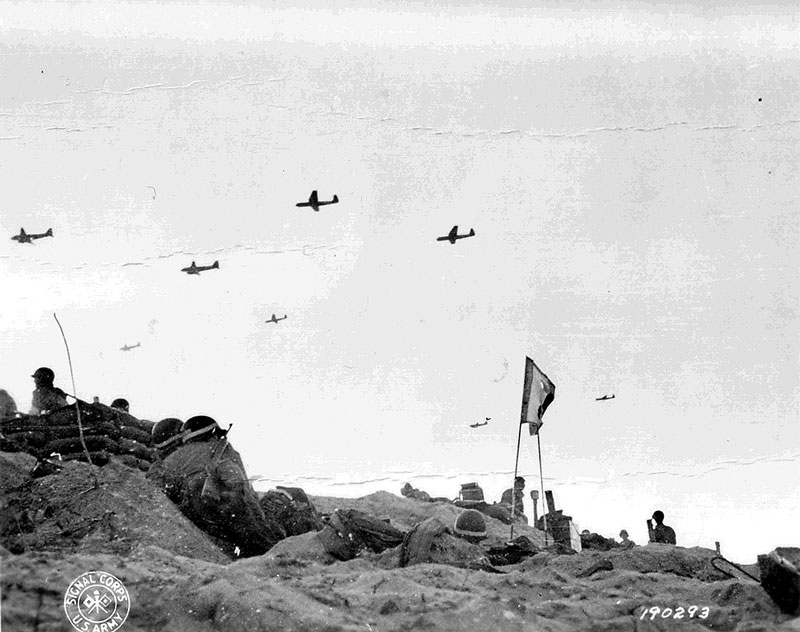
(77, 402)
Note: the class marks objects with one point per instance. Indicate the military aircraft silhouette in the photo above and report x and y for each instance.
(275, 320)
(478, 425)
(314, 202)
(453, 235)
(129, 347)
(196, 269)
(604, 398)
(27, 238)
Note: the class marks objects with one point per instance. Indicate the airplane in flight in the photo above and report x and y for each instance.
(129, 347)
(196, 269)
(453, 235)
(478, 425)
(274, 319)
(314, 202)
(604, 398)
(27, 238)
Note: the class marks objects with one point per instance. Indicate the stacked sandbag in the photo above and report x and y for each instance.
(100, 434)
(135, 447)
(23, 434)
(106, 431)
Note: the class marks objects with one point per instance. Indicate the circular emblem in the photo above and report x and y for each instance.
(97, 602)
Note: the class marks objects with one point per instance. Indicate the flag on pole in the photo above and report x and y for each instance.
(537, 394)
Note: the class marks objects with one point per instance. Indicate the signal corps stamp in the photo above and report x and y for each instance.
(97, 602)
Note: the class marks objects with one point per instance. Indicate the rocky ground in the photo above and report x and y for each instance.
(56, 527)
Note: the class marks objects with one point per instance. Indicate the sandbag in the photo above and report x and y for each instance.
(24, 423)
(133, 432)
(71, 430)
(129, 446)
(94, 443)
(67, 415)
(126, 419)
(27, 438)
(10, 445)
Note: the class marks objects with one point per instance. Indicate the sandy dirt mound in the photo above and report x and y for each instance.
(14, 469)
(175, 581)
(694, 563)
(269, 594)
(66, 512)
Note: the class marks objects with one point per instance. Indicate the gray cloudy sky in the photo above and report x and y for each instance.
(631, 174)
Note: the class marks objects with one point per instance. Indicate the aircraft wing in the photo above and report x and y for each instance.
(313, 199)
(453, 232)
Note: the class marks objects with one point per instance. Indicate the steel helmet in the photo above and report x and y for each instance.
(470, 524)
(44, 373)
(121, 404)
(201, 426)
(167, 432)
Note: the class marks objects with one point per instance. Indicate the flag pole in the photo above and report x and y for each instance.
(513, 484)
(541, 481)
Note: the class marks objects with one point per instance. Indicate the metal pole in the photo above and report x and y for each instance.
(516, 465)
(541, 480)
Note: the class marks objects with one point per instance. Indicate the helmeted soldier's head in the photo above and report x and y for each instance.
(201, 428)
(470, 525)
(167, 436)
(43, 376)
(121, 404)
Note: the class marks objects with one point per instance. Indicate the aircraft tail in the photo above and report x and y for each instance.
(215, 265)
(335, 198)
(471, 232)
(49, 232)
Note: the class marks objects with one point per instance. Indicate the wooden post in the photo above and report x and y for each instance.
(513, 485)
(551, 503)
(541, 482)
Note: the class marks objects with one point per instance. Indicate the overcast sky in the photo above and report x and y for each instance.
(631, 175)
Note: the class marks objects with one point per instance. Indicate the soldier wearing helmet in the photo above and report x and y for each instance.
(206, 478)
(121, 404)
(167, 436)
(46, 397)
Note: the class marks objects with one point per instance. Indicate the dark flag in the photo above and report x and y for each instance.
(537, 394)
